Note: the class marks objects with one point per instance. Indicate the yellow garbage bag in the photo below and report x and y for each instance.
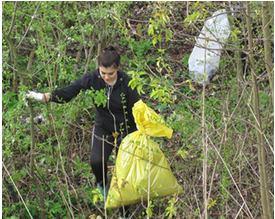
(141, 168)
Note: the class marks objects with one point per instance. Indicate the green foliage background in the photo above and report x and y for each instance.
(49, 44)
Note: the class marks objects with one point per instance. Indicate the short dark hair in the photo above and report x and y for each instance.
(109, 57)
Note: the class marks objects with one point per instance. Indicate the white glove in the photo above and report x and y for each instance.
(36, 96)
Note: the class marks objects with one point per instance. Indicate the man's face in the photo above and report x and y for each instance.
(109, 74)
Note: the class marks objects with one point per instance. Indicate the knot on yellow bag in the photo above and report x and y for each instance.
(149, 122)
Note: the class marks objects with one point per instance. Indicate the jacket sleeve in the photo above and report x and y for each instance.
(65, 94)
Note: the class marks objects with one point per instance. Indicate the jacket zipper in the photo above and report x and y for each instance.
(110, 88)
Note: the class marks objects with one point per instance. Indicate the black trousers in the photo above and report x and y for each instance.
(102, 147)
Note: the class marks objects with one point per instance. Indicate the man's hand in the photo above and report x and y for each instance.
(40, 97)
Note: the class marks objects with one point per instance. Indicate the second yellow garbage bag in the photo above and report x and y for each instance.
(141, 168)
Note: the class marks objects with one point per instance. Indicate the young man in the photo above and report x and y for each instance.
(113, 121)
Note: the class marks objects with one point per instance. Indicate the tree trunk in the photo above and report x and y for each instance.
(260, 138)
(267, 20)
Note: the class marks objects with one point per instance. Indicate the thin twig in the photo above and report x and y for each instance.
(63, 169)
(229, 172)
(258, 129)
(32, 17)
(239, 211)
(13, 19)
(103, 172)
(212, 179)
(17, 191)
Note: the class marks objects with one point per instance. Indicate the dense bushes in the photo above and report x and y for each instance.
(49, 44)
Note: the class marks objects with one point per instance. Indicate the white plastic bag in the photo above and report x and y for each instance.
(205, 57)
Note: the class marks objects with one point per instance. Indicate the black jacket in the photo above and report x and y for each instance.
(112, 117)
